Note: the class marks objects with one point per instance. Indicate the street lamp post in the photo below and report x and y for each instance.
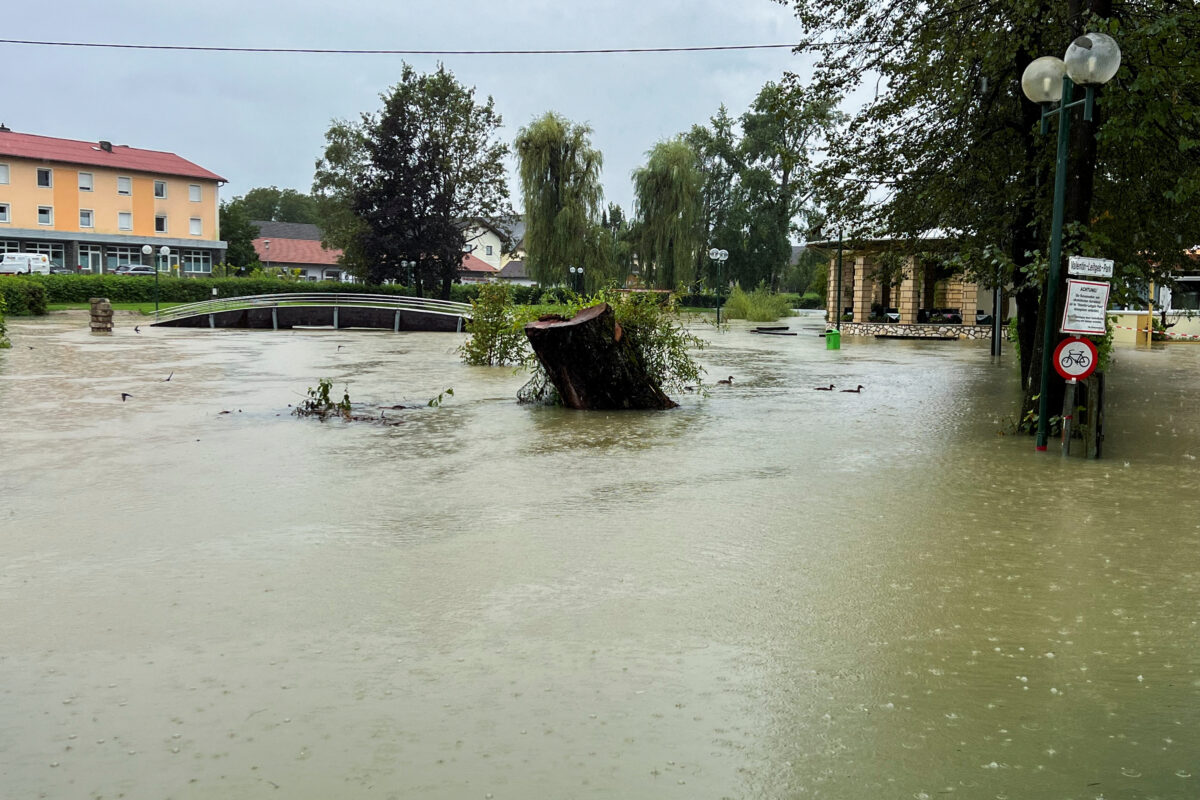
(267, 249)
(576, 279)
(164, 253)
(719, 256)
(1090, 61)
(405, 264)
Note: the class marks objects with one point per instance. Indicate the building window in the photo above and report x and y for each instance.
(122, 256)
(194, 192)
(3, 173)
(54, 252)
(10, 247)
(195, 226)
(4, 213)
(45, 215)
(197, 261)
(85, 181)
(45, 177)
(86, 219)
(160, 189)
(124, 186)
(125, 220)
(488, 249)
(160, 223)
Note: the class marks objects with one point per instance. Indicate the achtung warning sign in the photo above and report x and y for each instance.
(1087, 308)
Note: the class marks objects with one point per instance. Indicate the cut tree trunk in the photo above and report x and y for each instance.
(592, 363)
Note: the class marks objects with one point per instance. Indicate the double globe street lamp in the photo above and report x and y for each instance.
(719, 256)
(576, 278)
(1090, 61)
(163, 252)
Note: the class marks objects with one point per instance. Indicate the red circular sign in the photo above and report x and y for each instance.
(1075, 358)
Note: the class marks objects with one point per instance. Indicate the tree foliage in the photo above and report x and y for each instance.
(668, 199)
(413, 174)
(272, 204)
(560, 190)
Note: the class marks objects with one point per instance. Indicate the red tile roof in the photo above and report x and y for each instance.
(295, 251)
(69, 151)
(476, 265)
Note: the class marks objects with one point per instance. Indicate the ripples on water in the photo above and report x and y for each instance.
(768, 592)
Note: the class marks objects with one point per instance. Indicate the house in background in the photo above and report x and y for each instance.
(485, 241)
(476, 270)
(92, 206)
(296, 247)
(513, 273)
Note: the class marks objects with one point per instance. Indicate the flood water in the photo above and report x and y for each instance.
(769, 592)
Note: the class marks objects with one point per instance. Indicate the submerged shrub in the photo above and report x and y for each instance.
(757, 306)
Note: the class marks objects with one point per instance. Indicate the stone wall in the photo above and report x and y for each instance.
(922, 331)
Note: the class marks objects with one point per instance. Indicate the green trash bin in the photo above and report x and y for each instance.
(833, 340)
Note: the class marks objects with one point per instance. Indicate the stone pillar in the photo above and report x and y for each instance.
(831, 311)
(970, 302)
(910, 293)
(102, 315)
(863, 289)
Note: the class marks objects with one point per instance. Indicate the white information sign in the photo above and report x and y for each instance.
(1090, 267)
(1087, 308)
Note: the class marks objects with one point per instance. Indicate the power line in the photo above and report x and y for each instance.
(330, 51)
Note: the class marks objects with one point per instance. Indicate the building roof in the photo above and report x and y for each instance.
(513, 270)
(287, 230)
(295, 251)
(475, 265)
(123, 157)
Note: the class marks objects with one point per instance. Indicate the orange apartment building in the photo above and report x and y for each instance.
(91, 206)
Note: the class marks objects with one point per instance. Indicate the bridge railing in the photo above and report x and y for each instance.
(345, 300)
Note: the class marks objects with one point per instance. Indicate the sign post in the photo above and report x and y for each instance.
(1075, 359)
(1086, 311)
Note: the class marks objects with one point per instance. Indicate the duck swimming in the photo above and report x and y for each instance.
(854, 391)
(828, 388)
(727, 382)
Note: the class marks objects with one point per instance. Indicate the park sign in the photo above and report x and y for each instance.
(1086, 312)
(1090, 267)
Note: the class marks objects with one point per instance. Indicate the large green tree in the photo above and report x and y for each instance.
(948, 143)
(667, 197)
(414, 173)
(720, 161)
(560, 190)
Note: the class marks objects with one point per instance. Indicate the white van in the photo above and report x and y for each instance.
(24, 264)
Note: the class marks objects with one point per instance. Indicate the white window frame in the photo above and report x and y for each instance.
(91, 182)
(128, 182)
(49, 177)
(163, 217)
(5, 213)
(121, 215)
(91, 217)
(195, 226)
(4, 173)
(162, 196)
(49, 215)
(195, 193)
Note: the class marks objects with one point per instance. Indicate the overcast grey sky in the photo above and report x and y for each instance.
(260, 119)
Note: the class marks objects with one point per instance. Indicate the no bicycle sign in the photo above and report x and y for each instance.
(1075, 358)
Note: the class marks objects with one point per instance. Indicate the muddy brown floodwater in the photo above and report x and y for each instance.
(770, 592)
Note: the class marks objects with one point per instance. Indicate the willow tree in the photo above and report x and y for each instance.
(667, 199)
(560, 189)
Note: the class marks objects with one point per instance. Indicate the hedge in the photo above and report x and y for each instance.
(29, 295)
(23, 296)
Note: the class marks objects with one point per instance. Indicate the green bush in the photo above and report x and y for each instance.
(497, 336)
(4, 342)
(24, 296)
(758, 306)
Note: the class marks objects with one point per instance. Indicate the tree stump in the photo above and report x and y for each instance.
(592, 363)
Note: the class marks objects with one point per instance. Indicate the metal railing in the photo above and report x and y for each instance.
(347, 300)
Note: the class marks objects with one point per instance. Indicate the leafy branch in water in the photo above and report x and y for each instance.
(319, 404)
(437, 401)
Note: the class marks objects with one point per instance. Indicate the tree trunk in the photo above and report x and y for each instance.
(592, 364)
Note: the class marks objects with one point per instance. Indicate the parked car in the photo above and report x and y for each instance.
(135, 270)
(63, 271)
